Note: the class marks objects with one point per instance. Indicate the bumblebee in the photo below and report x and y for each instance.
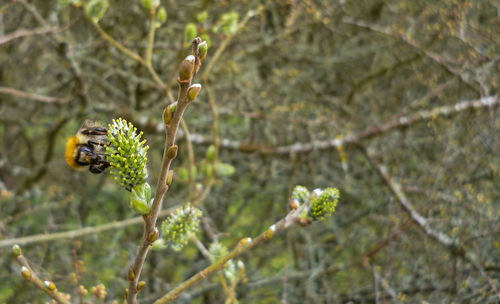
(87, 148)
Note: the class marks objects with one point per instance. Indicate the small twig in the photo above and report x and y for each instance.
(25, 33)
(41, 98)
(394, 123)
(402, 200)
(243, 246)
(151, 37)
(72, 234)
(224, 44)
(162, 187)
(29, 275)
(118, 45)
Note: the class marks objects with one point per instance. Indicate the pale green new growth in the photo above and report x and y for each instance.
(324, 204)
(180, 226)
(301, 194)
(126, 154)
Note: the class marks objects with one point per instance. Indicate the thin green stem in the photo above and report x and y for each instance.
(151, 38)
(118, 45)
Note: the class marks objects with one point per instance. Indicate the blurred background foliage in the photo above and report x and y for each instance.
(297, 72)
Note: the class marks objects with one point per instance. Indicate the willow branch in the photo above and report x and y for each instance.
(169, 153)
(73, 234)
(454, 246)
(30, 275)
(118, 45)
(243, 246)
(36, 97)
(396, 122)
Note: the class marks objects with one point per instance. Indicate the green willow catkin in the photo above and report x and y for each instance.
(127, 154)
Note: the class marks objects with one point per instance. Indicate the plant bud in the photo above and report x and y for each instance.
(202, 50)
(96, 9)
(26, 273)
(130, 275)
(190, 32)
(172, 152)
(293, 204)
(141, 285)
(269, 232)
(245, 241)
(161, 16)
(139, 199)
(125, 293)
(16, 251)
(170, 177)
(304, 222)
(193, 91)
(150, 5)
(168, 113)
(49, 285)
(223, 169)
(153, 235)
(186, 68)
(210, 154)
(300, 194)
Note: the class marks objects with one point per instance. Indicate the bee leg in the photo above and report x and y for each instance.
(98, 167)
(96, 143)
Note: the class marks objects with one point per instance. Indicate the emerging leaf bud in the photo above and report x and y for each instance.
(139, 198)
(303, 221)
(186, 68)
(26, 273)
(49, 285)
(170, 177)
(96, 9)
(16, 251)
(203, 50)
(161, 16)
(150, 5)
(168, 113)
(293, 204)
(153, 235)
(172, 152)
(130, 274)
(270, 232)
(245, 241)
(190, 32)
(210, 154)
(141, 285)
(193, 91)
(180, 226)
(300, 194)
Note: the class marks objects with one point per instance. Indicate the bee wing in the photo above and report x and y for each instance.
(90, 127)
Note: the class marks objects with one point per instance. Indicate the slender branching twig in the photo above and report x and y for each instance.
(29, 275)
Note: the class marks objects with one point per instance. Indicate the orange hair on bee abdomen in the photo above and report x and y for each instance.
(69, 154)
